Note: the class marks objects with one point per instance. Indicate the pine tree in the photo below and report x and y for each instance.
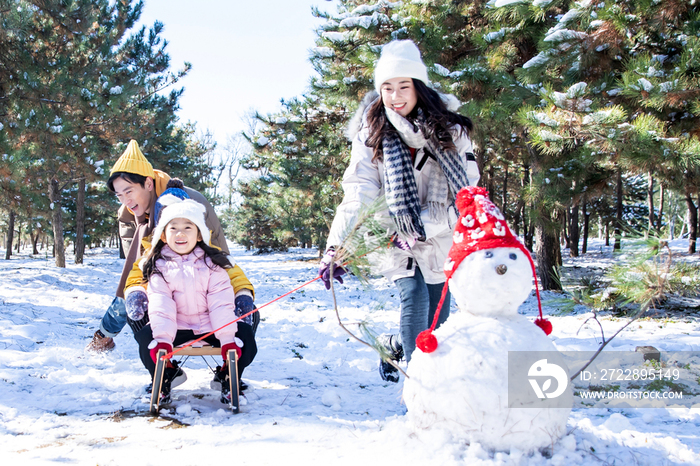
(76, 85)
(301, 154)
(622, 88)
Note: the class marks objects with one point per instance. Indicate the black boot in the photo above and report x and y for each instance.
(394, 349)
(216, 383)
(172, 377)
(222, 383)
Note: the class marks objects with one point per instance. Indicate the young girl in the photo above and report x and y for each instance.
(414, 151)
(189, 294)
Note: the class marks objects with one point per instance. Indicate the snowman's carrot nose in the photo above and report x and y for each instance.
(501, 269)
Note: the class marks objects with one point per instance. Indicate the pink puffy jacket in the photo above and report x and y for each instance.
(192, 293)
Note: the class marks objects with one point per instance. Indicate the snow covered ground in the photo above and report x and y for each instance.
(315, 396)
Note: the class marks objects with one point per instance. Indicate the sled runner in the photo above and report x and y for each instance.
(233, 381)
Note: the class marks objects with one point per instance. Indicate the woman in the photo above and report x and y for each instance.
(410, 148)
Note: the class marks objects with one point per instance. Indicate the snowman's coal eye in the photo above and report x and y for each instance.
(513, 256)
(488, 254)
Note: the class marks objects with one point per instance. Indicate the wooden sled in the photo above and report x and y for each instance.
(207, 350)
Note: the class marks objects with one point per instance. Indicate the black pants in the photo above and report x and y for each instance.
(245, 333)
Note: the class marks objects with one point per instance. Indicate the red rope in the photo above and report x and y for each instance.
(180, 348)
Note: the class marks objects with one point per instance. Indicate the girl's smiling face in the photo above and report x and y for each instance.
(399, 94)
(181, 235)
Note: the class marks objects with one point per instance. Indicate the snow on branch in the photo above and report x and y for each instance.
(539, 60)
(502, 3)
(323, 52)
(365, 22)
(542, 118)
(498, 35)
(336, 36)
(565, 34)
(543, 4)
(576, 90)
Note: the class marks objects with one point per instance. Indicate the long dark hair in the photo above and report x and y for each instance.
(216, 256)
(438, 120)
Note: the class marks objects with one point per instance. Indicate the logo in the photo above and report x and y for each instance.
(541, 369)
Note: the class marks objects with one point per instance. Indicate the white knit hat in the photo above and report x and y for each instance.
(399, 59)
(175, 207)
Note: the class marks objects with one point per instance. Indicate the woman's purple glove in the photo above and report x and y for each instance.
(136, 304)
(402, 244)
(324, 271)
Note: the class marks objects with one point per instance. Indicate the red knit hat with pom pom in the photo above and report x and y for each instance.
(481, 226)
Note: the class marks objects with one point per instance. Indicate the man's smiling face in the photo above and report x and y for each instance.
(134, 196)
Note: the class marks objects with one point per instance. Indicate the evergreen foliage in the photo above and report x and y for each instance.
(75, 87)
(582, 108)
(585, 112)
(300, 155)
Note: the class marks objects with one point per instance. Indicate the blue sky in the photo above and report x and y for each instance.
(244, 55)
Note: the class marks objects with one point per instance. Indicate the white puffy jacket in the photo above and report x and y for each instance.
(363, 184)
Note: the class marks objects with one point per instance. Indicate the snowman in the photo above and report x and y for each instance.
(459, 375)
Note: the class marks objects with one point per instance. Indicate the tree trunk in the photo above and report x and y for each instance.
(692, 223)
(671, 227)
(80, 223)
(586, 223)
(530, 237)
(548, 256)
(618, 214)
(34, 235)
(683, 224)
(10, 235)
(660, 217)
(57, 223)
(573, 232)
(564, 228)
(517, 218)
(230, 186)
(520, 208)
(650, 203)
(607, 233)
(19, 236)
(547, 249)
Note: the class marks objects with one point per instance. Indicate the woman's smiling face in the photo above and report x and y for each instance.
(399, 94)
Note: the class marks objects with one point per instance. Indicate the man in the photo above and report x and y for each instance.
(137, 186)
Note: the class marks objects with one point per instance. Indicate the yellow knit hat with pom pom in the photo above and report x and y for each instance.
(133, 161)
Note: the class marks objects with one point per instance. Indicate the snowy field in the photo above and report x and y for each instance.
(314, 397)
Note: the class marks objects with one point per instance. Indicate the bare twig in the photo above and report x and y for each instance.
(604, 344)
(340, 322)
(595, 317)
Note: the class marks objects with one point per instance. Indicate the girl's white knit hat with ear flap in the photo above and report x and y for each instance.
(181, 208)
(399, 59)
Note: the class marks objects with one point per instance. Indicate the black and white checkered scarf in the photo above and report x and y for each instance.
(401, 191)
